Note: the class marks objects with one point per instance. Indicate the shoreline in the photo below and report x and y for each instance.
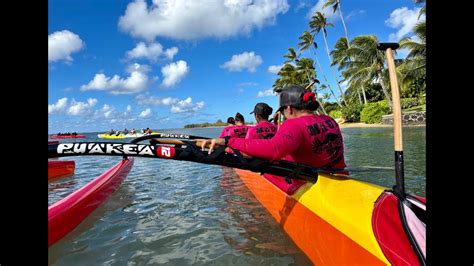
(341, 125)
(363, 125)
(348, 125)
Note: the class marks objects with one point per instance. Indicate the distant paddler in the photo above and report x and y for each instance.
(264, 129)
(226, 130)
(240, 129)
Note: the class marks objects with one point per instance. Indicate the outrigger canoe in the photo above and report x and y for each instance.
(333, 219)
(120, 136)
(69, 212)
(337, 220)
(67, 137)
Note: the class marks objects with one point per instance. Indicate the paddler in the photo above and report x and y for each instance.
(304, 137)
(226, 130)
(240, 129)
(264, 129)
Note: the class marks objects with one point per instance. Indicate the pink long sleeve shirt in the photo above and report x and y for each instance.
(263, 130)
(238, 131)
(314, 140)
(225, 131)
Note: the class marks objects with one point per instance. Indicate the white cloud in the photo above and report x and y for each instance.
(128, 109)
(74, 108)
(266, 93)
(136, 82)
(174, 73)
(327, 11)
(145, 114)
(81, 108)
(245, 60)
(404, 20)
(300, 5)
(152, 52)
(152, 100)
(247, 84)
(61, 44)
(138, 68)
(355, 14)
(188, 20)
(57, 107)
(106, 111)
(274, 69)
(187, 106)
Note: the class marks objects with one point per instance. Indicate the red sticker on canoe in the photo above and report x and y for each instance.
(165, 152)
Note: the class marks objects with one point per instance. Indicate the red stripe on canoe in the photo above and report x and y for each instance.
(66, 214)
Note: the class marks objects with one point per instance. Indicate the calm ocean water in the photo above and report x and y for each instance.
(180, 213)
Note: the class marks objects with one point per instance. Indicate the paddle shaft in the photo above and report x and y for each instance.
(397, 123)
(397, 112)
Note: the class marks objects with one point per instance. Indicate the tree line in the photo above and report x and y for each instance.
(356, 62)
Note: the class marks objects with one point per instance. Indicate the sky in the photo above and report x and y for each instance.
(115, 64)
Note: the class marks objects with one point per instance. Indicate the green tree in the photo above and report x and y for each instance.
(413, 68)
(307, 42)
(367, 64)
(317, 24)
(336, 5)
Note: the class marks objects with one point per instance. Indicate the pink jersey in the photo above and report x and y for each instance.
(314, 140)
(238, 131)
(225, 131)
(263, 130)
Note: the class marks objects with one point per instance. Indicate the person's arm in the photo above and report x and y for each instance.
(284, 142)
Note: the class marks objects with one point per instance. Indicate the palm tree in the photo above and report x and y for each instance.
(336, 5)
(306, 65)
(367, 63)
(414, 66)
(307, 42)
(340, 57)
(423, 9)
(318, 22)
(291, 55)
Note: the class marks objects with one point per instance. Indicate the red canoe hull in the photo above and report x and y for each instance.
(66, 214)
(59, 169)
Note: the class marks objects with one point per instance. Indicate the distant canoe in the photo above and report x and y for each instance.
(67, 137)
(121, 136)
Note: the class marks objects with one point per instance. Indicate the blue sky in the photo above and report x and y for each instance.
(164, 64)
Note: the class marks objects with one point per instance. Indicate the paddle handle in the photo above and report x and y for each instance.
(397, 112)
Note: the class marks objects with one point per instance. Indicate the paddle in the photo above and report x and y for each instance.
(184, 150)
(166, 136)
(397, 117)
(399, 188)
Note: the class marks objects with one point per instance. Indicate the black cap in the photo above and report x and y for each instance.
(293, 96)
(262, 109)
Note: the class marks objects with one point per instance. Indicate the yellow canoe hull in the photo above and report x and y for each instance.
(120, 136)
(330, 220)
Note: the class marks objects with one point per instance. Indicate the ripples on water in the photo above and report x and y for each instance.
(181, 213)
